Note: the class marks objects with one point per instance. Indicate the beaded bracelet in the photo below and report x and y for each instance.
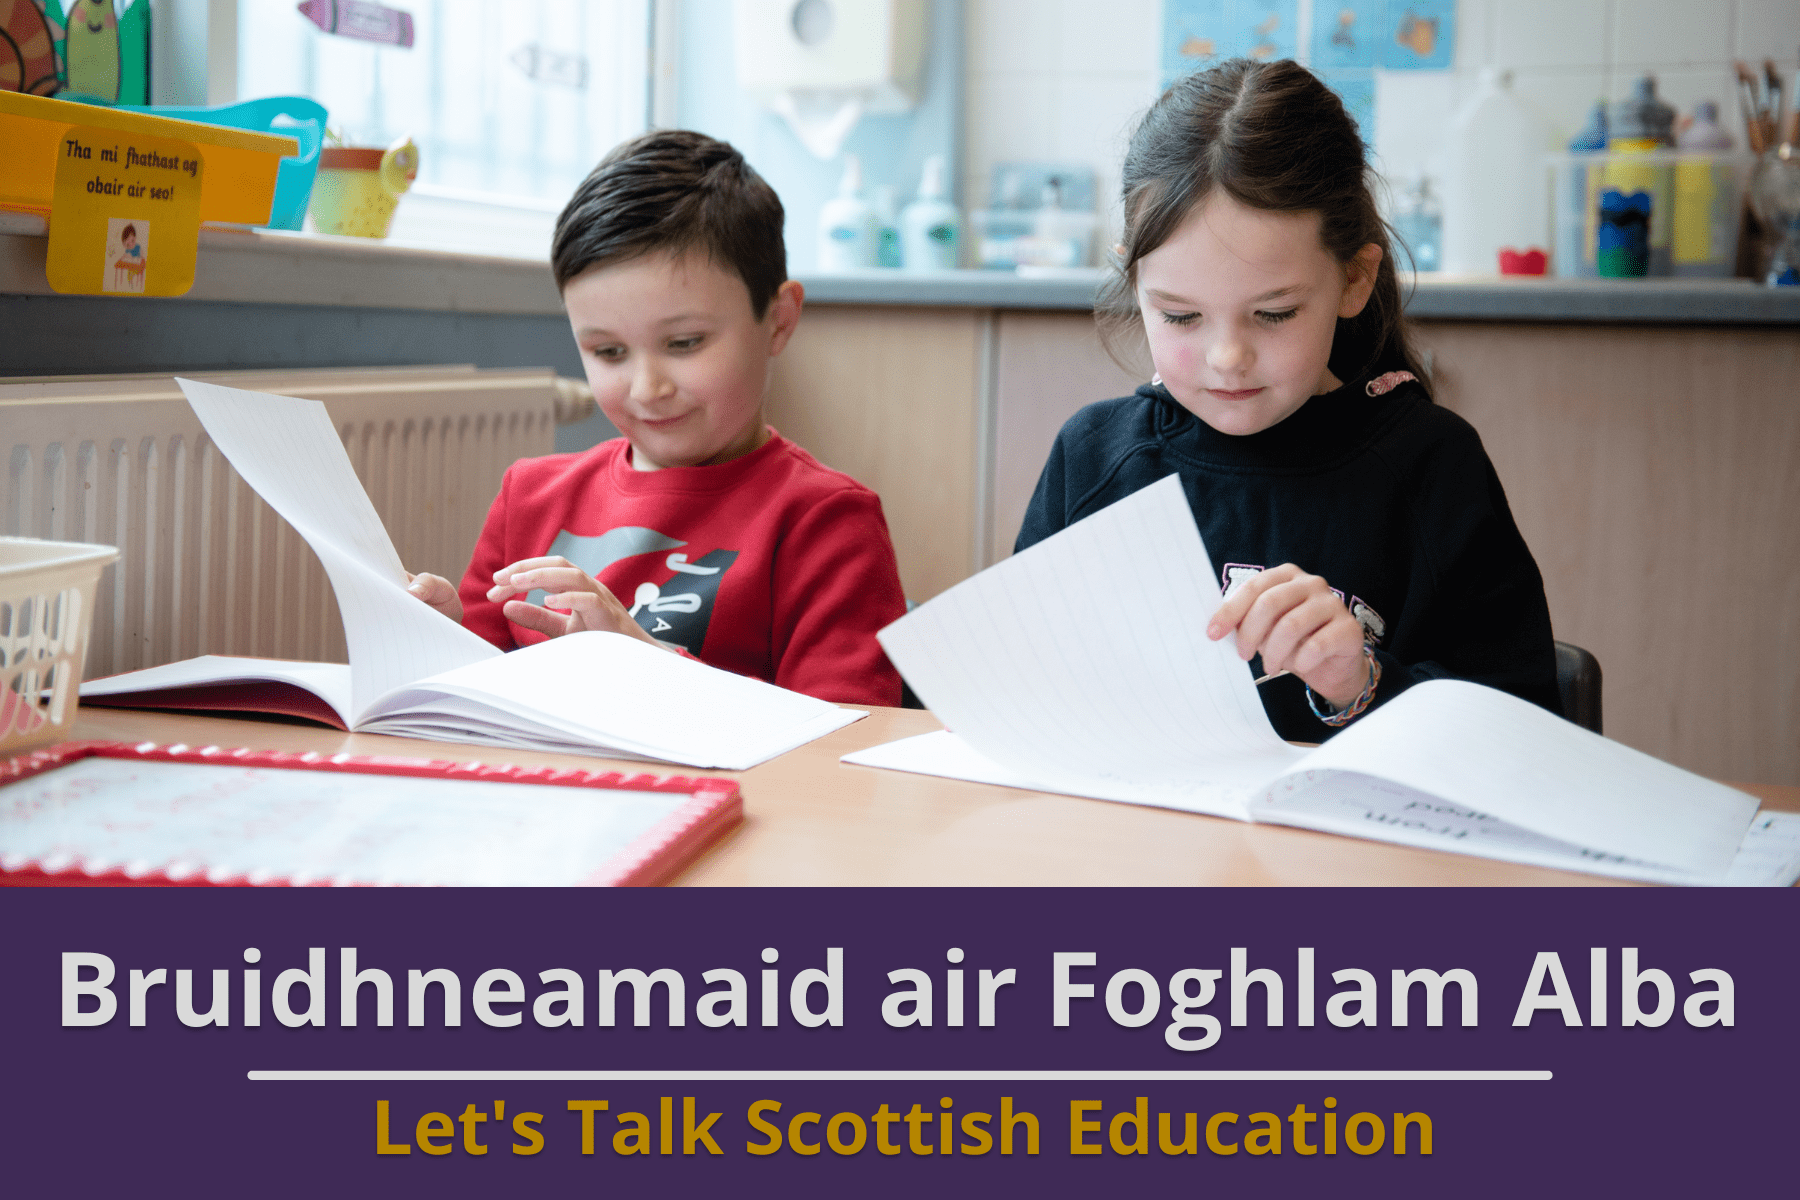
(1357, 705)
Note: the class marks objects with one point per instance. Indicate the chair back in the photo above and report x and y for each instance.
(1578, 679)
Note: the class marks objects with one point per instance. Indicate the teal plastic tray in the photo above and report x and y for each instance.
(297, 117)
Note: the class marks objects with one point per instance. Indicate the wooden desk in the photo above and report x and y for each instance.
(813, 821)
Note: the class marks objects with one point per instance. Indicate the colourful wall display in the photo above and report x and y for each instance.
(96, 48)
(1345, 41)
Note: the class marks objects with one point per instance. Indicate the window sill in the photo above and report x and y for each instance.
(280, 267)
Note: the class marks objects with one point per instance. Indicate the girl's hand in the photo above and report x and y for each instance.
(438, 592)
(591, 605)
(1298, 625)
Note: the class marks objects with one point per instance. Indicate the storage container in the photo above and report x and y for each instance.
(284, 116)
(1696, 206)
(238, 185)
(46, 614)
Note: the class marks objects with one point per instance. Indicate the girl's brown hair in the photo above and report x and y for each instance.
(1273, 137)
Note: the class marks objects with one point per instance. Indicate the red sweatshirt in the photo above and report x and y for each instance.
(770, 565)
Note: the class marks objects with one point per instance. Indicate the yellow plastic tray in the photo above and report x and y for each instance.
(238, 184)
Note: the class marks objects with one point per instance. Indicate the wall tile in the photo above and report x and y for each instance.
(1092, 122)
(1009, 36)
(1769, 29)
(1562, 99)
(1121, 35)
(1550, 33)
(1009, 117)
(1670, 31)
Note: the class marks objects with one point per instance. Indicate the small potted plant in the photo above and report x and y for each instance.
(358, 187)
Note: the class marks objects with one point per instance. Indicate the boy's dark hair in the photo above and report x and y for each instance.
(675, 190)
(1270, 136)
(130, 231)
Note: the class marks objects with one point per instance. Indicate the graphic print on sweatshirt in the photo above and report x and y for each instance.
(677, 610)
(1236, 575)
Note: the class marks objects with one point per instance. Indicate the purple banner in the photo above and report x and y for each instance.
(970, 1042)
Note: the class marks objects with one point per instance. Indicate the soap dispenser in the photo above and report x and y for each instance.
(930, 227)
(847, 225)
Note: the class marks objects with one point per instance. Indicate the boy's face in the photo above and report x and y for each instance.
(675, 356)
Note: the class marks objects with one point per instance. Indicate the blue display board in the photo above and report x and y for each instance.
(1356, 88)
(1198, 33)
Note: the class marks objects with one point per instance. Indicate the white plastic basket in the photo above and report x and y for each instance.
(46, 612)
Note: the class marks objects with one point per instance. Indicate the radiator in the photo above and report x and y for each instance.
(205, 567)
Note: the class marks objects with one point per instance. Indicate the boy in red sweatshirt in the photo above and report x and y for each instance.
(702, 530)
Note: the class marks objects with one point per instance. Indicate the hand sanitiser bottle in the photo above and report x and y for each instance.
(847, 225)
(930, 227)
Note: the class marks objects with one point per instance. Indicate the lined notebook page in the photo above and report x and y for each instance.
(288, 451)
(1508, 758)
(1083, 665)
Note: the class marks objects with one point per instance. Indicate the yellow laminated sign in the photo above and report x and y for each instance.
(233, 179)
(127, 214)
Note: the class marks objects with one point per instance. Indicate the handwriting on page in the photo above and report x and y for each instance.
(289, 452)
(1344, 802)
(1084, 658)
(1506, 756)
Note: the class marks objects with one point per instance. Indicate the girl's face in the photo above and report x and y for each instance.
(1240, 306)
(676, 358)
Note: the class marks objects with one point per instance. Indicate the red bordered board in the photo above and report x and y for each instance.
(115, 813)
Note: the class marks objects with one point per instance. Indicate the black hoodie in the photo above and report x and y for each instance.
(1390, 498)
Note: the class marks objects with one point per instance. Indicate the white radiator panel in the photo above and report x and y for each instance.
(206, 567)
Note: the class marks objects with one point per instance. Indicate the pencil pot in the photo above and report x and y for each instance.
(46, 613)
(358, 187)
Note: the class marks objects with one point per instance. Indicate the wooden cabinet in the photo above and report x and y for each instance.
(1654, 470)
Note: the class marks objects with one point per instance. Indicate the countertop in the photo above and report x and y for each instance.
(274, 267)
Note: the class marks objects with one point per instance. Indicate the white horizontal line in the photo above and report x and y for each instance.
(672, 1076)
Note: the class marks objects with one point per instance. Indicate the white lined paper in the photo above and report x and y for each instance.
(1083, 662)
(1081, 666)
(288, 451)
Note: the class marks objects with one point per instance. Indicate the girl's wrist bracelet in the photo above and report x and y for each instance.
(1356, 706)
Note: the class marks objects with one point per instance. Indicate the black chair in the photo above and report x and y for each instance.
(1578, 679)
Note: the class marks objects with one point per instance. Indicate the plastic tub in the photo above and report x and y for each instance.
(297, 117)
(238, 185)
(46, 614)
(1696, 202)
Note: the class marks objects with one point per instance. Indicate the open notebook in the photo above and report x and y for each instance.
(415, 673)
(1081, 666)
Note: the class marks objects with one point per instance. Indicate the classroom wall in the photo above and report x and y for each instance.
(1565, 54)
(1065, 80)
(892, 147)
(1057, 81)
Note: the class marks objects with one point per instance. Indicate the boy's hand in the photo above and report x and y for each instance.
(438, 592)
(1297, 624)
(590, 603)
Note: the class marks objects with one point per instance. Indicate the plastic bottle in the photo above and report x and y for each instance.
(1497, 193)
(1640, 124)
(1578, 200)
(847, 225)
(887, 226)
(930, 227)
(1419, 220)
(1704, 239)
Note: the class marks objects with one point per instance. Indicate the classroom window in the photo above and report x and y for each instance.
(511, 104)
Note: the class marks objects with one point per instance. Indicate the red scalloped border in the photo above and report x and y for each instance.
(656, 857)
